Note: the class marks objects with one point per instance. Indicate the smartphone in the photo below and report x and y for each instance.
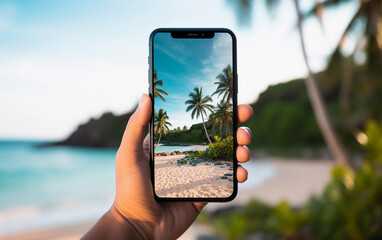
(193, 86)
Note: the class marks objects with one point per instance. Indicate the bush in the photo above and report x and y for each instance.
(220, 150)
(349, 208)
(182, 161)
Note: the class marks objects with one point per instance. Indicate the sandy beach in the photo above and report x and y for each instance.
(294, 181)
(194, 178)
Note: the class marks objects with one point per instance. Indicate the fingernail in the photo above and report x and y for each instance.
(248, 130)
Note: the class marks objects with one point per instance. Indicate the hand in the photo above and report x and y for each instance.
(135, 213)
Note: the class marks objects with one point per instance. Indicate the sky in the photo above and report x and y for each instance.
(63, 62)
(182, 65)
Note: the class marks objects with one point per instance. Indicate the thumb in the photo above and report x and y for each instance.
(132, 140)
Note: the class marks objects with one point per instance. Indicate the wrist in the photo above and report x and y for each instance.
(128, 227)
(113, 225)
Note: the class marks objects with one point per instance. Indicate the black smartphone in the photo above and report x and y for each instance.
(193, 86)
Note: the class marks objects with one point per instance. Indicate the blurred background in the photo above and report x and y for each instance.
(72, 72)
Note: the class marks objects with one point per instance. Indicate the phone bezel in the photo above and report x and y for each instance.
(234, 100)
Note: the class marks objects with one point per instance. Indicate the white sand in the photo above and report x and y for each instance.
(172, 180)
(199, 147)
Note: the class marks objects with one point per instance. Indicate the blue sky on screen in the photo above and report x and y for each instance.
(182, 65)
(64, 61)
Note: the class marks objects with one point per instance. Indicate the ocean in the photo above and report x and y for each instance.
(58, 186)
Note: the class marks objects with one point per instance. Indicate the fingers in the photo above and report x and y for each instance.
(242, 154)
(134, 133)
(242, 174)
(244, 136)
(244, 112)
(146, 145)
(200, 205)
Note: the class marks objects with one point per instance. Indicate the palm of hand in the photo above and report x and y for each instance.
(135, 200)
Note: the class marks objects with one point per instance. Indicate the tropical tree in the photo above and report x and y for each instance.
(225, 84)
(365, 27)
(316, 100)
(161, 125)
(223, 114)
(213, 122)
(199, 106)
(157, 91)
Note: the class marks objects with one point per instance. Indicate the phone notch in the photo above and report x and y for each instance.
(193, 34)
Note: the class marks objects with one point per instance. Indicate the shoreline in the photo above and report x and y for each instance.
(294, 181)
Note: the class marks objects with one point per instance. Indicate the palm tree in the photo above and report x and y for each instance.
(199, 104)
(223, 114)
(213, 122)
(314, 93)
(365, 25)
(161, 125)
(225, 84)
(157, 91)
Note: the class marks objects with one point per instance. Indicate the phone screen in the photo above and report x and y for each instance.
(194, 95)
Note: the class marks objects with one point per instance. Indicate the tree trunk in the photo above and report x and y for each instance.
(228, 130)
(205, 129)
(213, 126)
(160, 135)
(318, 106)
(345, 90)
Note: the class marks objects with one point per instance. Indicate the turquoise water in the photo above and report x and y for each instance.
(164, 148)
(57, 186)
(40, 182)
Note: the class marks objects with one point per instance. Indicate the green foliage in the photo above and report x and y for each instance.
(237, 223)
(374, 143)
(217, 138)
(220, 150)
(349, 208)
(191, 155)
(182, 161)
(202, 154)
(194, 135)
(203, 218)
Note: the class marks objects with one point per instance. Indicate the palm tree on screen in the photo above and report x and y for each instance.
(225, 84)
(157, 91)
(199, 106)
(223, 114)
(213, 122)
(161, 125)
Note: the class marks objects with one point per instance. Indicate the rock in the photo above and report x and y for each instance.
(167, 154)
(224, 177)
(228, 174)
(172, 153)
(217, 163)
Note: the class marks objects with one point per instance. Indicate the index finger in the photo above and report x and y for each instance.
(244, 112)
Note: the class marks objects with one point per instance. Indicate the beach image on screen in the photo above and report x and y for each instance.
(193, 116)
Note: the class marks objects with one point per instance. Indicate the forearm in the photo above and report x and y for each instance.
(112, 225)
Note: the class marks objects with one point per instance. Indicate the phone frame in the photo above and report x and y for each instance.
(234, 104)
